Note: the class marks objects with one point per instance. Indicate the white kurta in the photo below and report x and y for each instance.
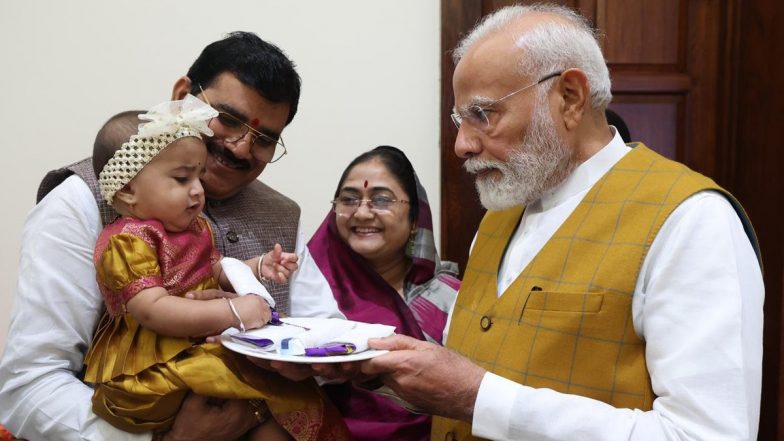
(57, 307)
(698, 307)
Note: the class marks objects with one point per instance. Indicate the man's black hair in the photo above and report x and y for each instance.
(255, 62)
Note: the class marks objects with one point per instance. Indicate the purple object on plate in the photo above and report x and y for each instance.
(331, 349)
(256, 341)
(275, 317)
(276, 321)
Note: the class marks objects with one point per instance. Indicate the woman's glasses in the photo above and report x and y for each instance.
(348, 205)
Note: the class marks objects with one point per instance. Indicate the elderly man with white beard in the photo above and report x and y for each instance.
(610, 293)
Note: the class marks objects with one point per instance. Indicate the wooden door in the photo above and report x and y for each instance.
(656, 86)
(678, 68)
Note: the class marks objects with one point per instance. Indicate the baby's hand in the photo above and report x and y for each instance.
(254, 311)
(277, 265)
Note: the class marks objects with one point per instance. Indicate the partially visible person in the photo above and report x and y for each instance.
(144, 358)
(373, 259)
(610, 293)
(256, 89)
(616, 121)
(5, 435)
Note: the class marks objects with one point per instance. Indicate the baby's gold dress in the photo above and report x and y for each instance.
(142, 377)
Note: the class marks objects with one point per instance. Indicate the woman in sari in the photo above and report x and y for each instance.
(373, 259)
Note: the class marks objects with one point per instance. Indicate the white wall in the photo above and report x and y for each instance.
(370, 71)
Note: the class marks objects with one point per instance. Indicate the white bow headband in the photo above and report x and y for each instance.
(168, 122)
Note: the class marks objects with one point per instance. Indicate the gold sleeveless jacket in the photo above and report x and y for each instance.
(565, 323)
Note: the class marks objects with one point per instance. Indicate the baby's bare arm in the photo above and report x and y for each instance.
(175, 316)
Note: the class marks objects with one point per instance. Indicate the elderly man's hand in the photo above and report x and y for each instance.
(332, 372)
(428, 376)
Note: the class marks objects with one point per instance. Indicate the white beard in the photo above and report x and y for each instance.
(541, 162)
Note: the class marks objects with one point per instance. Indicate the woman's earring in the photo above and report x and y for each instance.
(411, 242)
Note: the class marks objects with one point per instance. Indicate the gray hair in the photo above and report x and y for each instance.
(551, 46)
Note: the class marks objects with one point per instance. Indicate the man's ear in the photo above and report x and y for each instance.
(126, 195)
(575, 93)
(182, 87)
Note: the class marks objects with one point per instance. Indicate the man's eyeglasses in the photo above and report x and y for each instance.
(232, 129)
(476, 114)
(348, 205)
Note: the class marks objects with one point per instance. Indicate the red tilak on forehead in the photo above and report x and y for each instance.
(254, 122)
(365, 183)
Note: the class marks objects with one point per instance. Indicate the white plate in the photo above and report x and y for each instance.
(275, 333)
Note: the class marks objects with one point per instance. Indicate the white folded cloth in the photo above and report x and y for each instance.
(243, 280)
(333, 332)
(362, 332)
(325, 332)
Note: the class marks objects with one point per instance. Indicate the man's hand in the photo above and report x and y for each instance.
(333, 372)
(428, 376)
(209, 419)
(209, 294)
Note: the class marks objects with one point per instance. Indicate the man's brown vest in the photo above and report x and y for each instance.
(245, 225)
(565, 323)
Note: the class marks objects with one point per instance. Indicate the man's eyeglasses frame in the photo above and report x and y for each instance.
(255, 134)
(478, 113)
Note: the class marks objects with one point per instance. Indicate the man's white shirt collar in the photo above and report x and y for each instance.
(585, 175)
